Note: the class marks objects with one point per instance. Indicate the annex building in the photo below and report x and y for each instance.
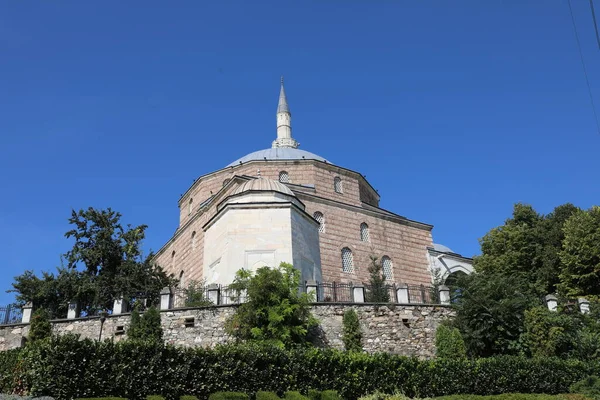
(283, 204)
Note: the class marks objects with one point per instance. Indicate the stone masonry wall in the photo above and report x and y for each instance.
(399, 329)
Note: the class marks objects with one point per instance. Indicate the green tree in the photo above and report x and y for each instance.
(196, 295)
(490, 313)
(352, 335)
(105, 263)
(275, 311)
(378, 290)
(449, 343)
(146, 326)
(580, 256)
(40, 327)
(550, 333)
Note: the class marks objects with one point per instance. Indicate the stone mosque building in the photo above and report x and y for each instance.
(283, 204)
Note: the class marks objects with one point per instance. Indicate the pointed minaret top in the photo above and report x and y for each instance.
(283, 105)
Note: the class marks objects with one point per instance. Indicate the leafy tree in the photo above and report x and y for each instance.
(378, 291)
(104, 264)
(581, 254)
(490, 313)
(146, 326)
(275, 312)
(352, 336)
(449, 343)
(40, 327)
(527, 246)
(196, 295)
(549, 333)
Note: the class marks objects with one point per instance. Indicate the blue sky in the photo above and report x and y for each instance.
(453, 110)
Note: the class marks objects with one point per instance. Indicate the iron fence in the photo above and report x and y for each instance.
(421, 294)
(335, 292)
(204, 295)
(10, 315)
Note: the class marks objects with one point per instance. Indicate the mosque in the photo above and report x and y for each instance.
(283, 204)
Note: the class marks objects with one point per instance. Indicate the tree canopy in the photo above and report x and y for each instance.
(104, 264)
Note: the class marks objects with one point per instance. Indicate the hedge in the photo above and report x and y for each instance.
(68, 368)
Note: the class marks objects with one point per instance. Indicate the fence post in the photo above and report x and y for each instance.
(27, 311)
(119, 306)
(444, 292)
(311, 287)
(73, 310)
(584, 305)
(358, 293)
(165, 298)
(334, 292)
(402, 294)
(213, 293)
(551, 302)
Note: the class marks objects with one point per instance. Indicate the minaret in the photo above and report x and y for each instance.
(284, 123)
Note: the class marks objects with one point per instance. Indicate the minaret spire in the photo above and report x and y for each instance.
(284, 123)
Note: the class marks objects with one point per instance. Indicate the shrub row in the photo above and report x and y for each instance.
(67, 368)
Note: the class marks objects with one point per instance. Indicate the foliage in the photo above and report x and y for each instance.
(40, 327)
(9, 365)
(102, 398)
(527, 246)
(490, 313)
(384, 396)
(549, 333)
(146, 326)
(105, 263)
(314, 394)
(351, 336)
(330, 395)
(266, 396)
(228, 396)
(590, 386)
(449, 342)
(294, 395)
(155, 397)
(581, 254)
(378, 292)
(196, 295)
(134, 369)
(275, 311)
(512, 396)
(188, 397)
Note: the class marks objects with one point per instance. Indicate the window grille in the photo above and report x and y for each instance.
(386, 264)
(347, 260)
(364, 233)
(284, 177)
(321, 220)
(337, 184)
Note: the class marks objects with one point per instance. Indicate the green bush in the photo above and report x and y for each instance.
(40, 327)
(352, 336)
(293, 395)
(228, 396)
(266, 396)
(134, 369)
(188, 398)
(155, 397)
(330, 395)
(101, 398)
(314, 394)
(589, 387)
(146, 326)
(449, 343)
(9, 362)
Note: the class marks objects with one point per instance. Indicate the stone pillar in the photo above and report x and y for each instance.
(358, 293)
(213, 293)
(73, 310)
(311, 287)
(119, 307)
(552, 302)
(584, 305)
(27, 310)
(402, 292)
(165, 298)
(444, 292)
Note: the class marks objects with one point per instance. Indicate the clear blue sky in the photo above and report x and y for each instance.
(453, 110)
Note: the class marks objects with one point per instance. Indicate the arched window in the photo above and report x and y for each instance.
(364, 233)
(190, 206)
(284, 177)
(337, 185)
(173, 259)
(194, 240)
(347, 260)
(386, 266)
(225, 182)
(321, 220)
(182, 279)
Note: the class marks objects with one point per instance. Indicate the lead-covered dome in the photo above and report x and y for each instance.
(278, 153)
(263, 185)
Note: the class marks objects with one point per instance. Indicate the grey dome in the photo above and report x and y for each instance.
(263, 184)
(278, 153)
(441, 248)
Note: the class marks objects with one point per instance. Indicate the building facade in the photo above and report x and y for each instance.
(286, 204)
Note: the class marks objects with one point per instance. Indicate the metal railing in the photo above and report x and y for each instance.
(10, 315)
